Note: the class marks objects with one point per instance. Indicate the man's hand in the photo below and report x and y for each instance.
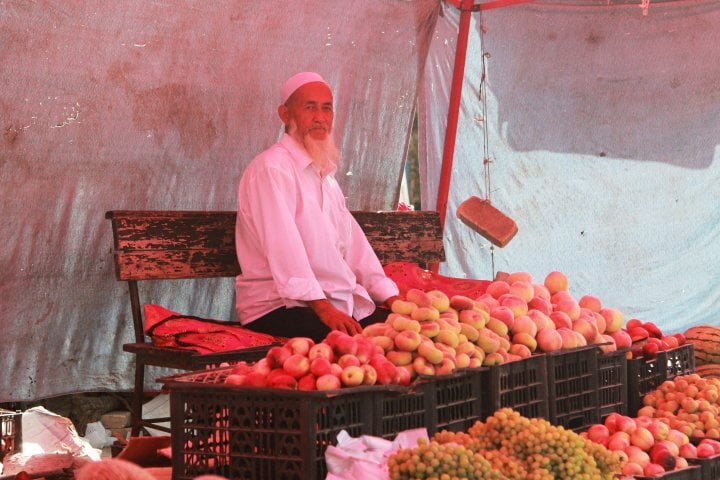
(334, 318)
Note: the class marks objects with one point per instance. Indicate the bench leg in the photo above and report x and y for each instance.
(137, 399)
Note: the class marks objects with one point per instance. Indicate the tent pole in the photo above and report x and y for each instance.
(466, 7)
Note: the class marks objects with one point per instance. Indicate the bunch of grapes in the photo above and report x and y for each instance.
(440, 461)
(508, 446)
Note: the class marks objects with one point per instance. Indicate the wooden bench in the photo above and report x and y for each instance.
(162, 245)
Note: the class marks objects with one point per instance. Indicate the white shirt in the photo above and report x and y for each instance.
(297, 241)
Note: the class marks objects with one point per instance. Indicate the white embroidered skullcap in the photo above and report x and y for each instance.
(297, 81)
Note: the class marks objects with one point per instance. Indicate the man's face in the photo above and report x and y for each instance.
(310, 109)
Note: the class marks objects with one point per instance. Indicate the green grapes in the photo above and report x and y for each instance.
(507, 446)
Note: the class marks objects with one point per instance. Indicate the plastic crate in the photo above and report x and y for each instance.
(644, 376)
(521, 385)
(10, 432)
(573, 387)
(612, 383)
(447, 402)
(680, 361)
(709, 467)
(242, 432)
(457, 401)
(690, 473)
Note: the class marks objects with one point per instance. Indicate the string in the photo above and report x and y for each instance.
(482, 92)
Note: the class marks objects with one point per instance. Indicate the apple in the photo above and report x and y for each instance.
(321, 349)
(300, 345)
(555, 282)
(235, 379)
(328, 382)
(277, 355)
(307, 382)
(369, 374)
(352, 376)
(296, 365)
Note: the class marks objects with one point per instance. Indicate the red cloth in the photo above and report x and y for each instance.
(410, 275)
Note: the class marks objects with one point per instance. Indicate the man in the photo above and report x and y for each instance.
(307, 267)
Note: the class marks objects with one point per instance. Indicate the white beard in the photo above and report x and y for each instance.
(324, 153)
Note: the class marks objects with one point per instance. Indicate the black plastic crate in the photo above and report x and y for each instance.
(457, 401)
(644, 376)
(573, 387)
(709, 467)
(692, 472)
(241, 432)
(612, 383)
(396, 411)
(521, 385)
(680, 361)
(10, 432)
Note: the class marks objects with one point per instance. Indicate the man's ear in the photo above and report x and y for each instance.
(284, 113)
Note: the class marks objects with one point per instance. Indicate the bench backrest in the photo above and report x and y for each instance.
(184, 244)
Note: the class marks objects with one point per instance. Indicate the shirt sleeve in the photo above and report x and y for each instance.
(268, 200)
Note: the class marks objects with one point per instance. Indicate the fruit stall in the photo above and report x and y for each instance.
(525, 381)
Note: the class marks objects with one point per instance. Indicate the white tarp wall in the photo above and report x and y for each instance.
(132, 104)
(604, 136)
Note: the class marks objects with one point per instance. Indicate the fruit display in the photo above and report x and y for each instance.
(506, 446)
(647, 339)
(706, 341)
(648, 446)
(688, 403)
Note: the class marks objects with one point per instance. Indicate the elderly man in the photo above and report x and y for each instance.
(307, 267)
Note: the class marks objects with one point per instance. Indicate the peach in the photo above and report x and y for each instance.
(632, 469)
(402, 307)
(488, 301)
(384, 342)
(352, 376)
(606, 342)
(369, 374)
(622, 338)
(278, 378)
(514, 303)
(365, 348)
(569, 306)
(256, 379)
(446, 366)
(440, 300)
(449, 324)
(598, 433)
(418, 297)
(488, 340)
(277, 355)
(424, 314)
(642, 438)
(307, 382)
(618, 441)
(462, 360)
(704, 450)
(461, 302)
(429, 329)
(541, 304)
(470, 332)
(580, 339)
(407, 340)
(521, 350)
(522, 289)
(319, 350)
(497, 326)
(399, 358)
(504, 314)
(375, 329)
(235, 379)
(296, 365)
(569, 340)
(586, 328)
(637, 455)
(541, 291)
(526, 339)
(430, 352)
(348, 359)
(474, 318)
(688, 450)
(494, 358)
(613, 319)
(556, 281)
(590, 302)
(448, 337)
(518, 276)
(549, 340)
(524, 323)
(402, 323)
(561, 320)
(497, 288)
(422, 366)
(341, 342)
(600, 322)
(540, 319)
